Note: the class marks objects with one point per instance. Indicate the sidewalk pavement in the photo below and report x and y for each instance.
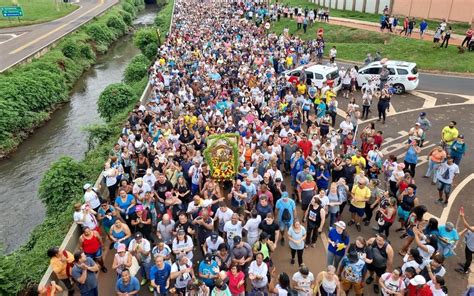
(456, 39)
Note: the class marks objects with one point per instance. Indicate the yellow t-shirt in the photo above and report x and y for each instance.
(450, 134)
(301, 88)
(357, 161)
(289, 61)
(360, 195)
(60, 267)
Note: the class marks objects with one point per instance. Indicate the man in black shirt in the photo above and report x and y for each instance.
(269, 226)
(348, 172)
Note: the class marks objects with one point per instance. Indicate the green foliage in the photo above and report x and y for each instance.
(116, 22)
(129, 8)
(127, 17)
(100, 33)
(61, 184)
(137, 69)
(70, 49)
(98, 134)
(87, 52)
(163, 19)
(145, 36)
(114, 99)
(151, 50)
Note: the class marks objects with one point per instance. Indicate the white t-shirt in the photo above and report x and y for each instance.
(232, 230)
(89, 221)
(144, 245)
(346, 127)
(436, 292)
(252, 226)
(140, 190)
(184, 244)
(212, 246)
(259, 271)
(92, 199)
(303, 283)
(281, 291)
(391, 284)
(183, 280)
(223, 217)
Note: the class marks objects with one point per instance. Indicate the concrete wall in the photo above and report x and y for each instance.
(453, 10)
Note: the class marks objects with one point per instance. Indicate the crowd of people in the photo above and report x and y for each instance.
(174, 230)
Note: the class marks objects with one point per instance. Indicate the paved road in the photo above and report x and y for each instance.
(441, 108)
(17, 44)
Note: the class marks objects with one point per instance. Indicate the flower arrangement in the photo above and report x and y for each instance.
(222, 156)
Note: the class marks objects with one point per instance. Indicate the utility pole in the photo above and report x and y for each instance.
(409, 11)
(450, 9)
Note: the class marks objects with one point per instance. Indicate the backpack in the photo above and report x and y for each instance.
(286, 215)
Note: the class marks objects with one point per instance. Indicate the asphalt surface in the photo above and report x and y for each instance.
(19, 43)
(441, 108)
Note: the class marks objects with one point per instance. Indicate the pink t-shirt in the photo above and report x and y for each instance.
(234, 280)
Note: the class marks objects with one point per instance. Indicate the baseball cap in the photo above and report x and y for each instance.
(284, 194)
(418, 280)
(340, 224)
(422, 113)
(87, 186)
(214, 237)
(138, 235)
(461, 136)
(237, 239)
(121, 248)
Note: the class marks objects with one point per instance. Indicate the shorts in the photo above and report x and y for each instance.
(443, 187)
(378, 270)
(358, 211)
(97, 254)
(284, 225)
(402, 214)
(346, 87)
(348, 285)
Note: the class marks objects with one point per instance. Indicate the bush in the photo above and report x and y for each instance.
(70, 49)
(145, 36)
(135, 72)
(151, 50)
(127, 17)
(117, 23)
(114, 99)
(61, 184)
(87, 52)
(129, 8)
(100, 33)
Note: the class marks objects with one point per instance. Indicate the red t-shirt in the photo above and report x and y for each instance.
(424, 291)
(306, 146)
(234, 280)
(378, 139)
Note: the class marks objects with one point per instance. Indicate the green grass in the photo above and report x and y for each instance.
(36, 11)
(353, 44)
(458, 28)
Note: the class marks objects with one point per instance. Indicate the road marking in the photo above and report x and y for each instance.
(11, 35)
(452, 198)
(430, 101)
(57, 29)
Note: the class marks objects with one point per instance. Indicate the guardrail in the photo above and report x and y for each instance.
(71, 241)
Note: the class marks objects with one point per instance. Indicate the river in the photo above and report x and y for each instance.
(20, 175)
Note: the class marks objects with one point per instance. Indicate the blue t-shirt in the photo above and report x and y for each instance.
(411, 156)
(450, 235)
(160, 276)
(125, 204)
(205, 269)
(341, 245)
(133, 285)
(281, 205)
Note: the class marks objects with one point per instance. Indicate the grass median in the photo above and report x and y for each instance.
(458, 27)
(36, 11)
(354, 44)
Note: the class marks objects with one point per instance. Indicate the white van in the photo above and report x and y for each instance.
(403, 75)
(317, 74)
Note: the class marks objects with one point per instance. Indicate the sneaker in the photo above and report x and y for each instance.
(292, 261)
(439, 202)
(150, 288)
(366, 223)
(103, 269)
(375, 228)
(461, 270)
(143, 282)
(358, 227)
(350, 223)
(369, 280)
(376, 289)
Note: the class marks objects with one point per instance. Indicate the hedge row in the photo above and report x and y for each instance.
(30, 92)
(31, 88)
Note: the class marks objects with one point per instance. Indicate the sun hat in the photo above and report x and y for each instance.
(340, 224)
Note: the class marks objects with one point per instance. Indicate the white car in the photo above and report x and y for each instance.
(403, 75)
(317, 74)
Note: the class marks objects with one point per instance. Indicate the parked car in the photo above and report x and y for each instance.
(403, 75)
(317, 74)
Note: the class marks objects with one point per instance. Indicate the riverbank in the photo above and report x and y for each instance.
(31, 92)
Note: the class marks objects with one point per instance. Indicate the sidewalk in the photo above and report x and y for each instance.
(456, 39)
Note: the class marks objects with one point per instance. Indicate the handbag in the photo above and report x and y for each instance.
(134, 267)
